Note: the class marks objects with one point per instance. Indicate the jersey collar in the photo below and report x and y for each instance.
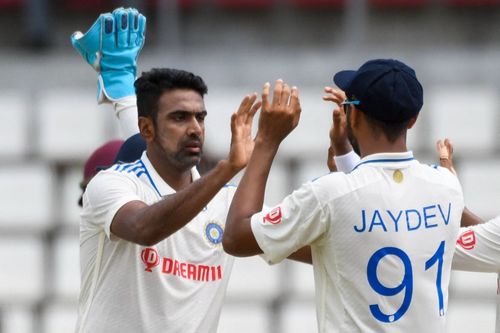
(161, 187)
(396, 160)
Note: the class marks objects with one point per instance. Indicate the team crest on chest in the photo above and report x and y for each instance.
(214, 232)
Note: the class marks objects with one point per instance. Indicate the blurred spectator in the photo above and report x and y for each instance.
(102, 158)
(112, 152)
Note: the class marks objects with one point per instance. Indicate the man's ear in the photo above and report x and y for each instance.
(412, 121)
(147, 128)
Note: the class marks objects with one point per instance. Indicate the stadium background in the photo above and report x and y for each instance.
(49, 123)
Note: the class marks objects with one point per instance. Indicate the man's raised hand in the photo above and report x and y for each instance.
(280, 115)
(241, 131)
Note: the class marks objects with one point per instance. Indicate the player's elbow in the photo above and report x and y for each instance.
(229, 244)
(236, 238)
(148, 241)
(232, 242)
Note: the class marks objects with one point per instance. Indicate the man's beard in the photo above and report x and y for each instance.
(182, 159)
(352, 138)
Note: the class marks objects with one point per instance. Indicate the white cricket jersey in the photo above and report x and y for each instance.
(177, 285)
(478, 250)
(382, 240)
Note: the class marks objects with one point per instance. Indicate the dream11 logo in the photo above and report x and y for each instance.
(467, 240)
(150, 258)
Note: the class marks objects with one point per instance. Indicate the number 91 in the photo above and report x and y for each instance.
(406, 284)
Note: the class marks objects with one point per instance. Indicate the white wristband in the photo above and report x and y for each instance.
(345, 163)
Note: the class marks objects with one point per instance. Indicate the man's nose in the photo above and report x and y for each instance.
(195, 127)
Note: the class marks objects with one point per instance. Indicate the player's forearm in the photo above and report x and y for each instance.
(238, 237)
(469, 218)
(341, 147)
(126, 113)
(157, 222)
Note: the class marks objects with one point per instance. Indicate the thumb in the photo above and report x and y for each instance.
(75, 41)
(337, 117)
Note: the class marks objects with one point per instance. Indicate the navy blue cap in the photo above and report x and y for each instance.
(387, 90)
(131, 150)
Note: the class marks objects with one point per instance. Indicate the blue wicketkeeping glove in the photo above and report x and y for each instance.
(111, 46)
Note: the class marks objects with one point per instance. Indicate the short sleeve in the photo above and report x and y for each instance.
(106, 193)
(298, 221)
(478, 248)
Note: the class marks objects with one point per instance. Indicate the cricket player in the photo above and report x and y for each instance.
(478, 245)
(151, 230)
(383, 236)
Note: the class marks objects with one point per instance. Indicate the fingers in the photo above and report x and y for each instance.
(278, 88)
(133, 23)
(334, 95)
(248, 108)
(285, 95)
(265, 95)
(108, 37)
(247, 103)
(294, 100)
(121, 22)
(141, 32)
(442, 150)
(233, 124)
(337, 117)
(88, 44)
(243, 104)
(253, 111)
(123, 28)
(449, 145)
(445, 152)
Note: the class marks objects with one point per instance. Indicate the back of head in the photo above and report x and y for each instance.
(103, 157)
(131, 150)
(151, 85)
(387, 90)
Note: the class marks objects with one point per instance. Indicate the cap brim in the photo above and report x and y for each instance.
(343, 79)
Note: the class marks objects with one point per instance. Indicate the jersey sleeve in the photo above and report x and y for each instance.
(298, 221)
(478, 248)
(106, 193)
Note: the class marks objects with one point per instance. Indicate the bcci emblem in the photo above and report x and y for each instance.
(214, 232)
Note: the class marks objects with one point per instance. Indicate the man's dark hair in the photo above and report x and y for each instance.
(392, 131)
(151, 85)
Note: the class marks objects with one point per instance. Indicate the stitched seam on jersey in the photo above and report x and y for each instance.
(95, 277)
(322, 209)
(387, 160)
